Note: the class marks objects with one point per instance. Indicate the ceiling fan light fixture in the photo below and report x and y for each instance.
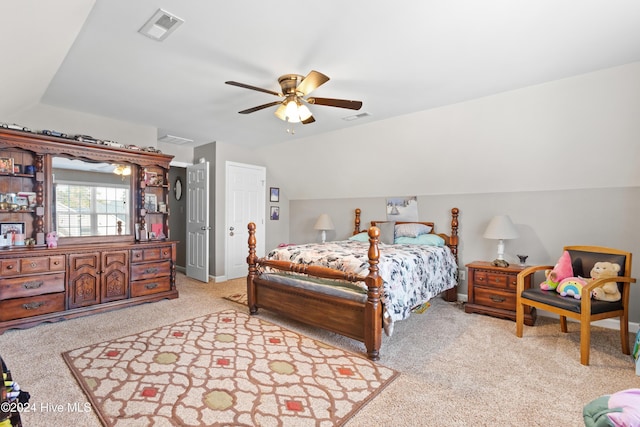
(304, 112)
(291, 112)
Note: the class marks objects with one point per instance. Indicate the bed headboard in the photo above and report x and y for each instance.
(451, 240)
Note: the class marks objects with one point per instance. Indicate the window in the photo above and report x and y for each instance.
(91, 209)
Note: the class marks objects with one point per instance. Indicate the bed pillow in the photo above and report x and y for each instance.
(423, 239)
(387, 231)
(360, 237)
(411, 230)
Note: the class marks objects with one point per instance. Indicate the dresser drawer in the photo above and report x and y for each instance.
(151, 254)
(494, 280)
(494, 298)
(19, 287)
(150, 286)
(150, 270)
(18, 308)
(43, 264)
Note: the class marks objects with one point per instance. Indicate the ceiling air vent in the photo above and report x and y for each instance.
(174, 140)
(160, 25)
(356, 116)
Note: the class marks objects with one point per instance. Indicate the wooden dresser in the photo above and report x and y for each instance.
(114, 248)
(492, 291)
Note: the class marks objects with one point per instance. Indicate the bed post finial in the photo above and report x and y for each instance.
(252, 260)
(356, 229)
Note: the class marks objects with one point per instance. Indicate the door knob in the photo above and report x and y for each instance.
(231, 228)
(205, 228)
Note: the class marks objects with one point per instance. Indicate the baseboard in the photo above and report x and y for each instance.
(613, 323)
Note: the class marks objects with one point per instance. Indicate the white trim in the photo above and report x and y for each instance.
(180, 164)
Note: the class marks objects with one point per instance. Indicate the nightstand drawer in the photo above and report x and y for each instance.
(496, 299)
(495, 280)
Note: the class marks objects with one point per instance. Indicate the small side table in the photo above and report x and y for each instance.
(492, 291)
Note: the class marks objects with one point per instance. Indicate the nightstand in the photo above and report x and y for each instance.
(492, 291)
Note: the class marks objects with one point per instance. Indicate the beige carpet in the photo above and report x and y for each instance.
(456, 369)
(226, 368)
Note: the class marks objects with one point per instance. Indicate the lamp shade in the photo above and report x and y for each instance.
(324, 223)
(501, 228)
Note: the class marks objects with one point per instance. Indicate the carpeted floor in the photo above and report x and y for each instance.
(226, 368)
(456, 369)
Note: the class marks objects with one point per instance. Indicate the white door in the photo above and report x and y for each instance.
(198, 221)
(245, 201)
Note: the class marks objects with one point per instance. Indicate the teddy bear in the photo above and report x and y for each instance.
(561, 271)
(609, 291)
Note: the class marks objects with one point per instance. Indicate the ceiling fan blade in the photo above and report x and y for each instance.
(259, 89)
(259, 107)
(310, 83)
(331, 102)
(309, 120)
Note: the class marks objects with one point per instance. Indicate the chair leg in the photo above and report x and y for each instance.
(585, 342)
(624, 333)
(563, 324)
(519, 319)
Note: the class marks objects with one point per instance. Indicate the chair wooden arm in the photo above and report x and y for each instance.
(599, 282)
(527, 272)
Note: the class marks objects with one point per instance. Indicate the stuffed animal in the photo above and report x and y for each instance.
(609, 291)
(561, 271)
(52, 239)
(571, 286)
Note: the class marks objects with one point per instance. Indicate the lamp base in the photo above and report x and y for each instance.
(500, 263)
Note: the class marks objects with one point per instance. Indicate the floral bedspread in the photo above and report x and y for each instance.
(411, 274)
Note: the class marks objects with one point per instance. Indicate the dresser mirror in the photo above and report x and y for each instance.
(91, 199)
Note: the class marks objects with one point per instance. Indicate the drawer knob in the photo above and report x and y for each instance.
(151, 270)
(56, 262)
(33, 305)
(34, 264)
(151, 285)
(497, 299)
(10, 267)
(33, 285)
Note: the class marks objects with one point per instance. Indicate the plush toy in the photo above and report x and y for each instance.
(571, 286)
(52, 239)
(561, 271)
(609, 291)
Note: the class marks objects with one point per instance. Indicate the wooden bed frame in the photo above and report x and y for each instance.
(361, 321)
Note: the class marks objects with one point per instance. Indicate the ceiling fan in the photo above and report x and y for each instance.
(295, 89)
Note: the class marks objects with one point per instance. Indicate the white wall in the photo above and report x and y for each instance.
(580, 132)
(42, 116)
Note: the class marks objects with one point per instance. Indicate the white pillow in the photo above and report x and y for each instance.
(411, 230)
(387, 232)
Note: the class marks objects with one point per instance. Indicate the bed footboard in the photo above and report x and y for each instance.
(357, 320)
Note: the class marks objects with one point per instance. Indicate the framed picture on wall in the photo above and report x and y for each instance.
(274, 194)
(275, 213)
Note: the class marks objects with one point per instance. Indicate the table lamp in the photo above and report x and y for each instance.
(324, 223)
(500, 228)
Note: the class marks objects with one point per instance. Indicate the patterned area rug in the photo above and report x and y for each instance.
(226, 368)
(239, 298)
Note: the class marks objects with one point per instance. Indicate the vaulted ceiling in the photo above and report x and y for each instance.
(396, 57)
